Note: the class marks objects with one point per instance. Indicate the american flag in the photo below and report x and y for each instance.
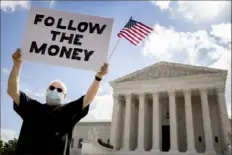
(135, 31)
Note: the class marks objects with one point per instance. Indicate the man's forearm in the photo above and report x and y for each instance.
(91, 93)
(93, 89)
(13, 82)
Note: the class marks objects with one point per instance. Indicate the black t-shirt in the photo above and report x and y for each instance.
(45, 128)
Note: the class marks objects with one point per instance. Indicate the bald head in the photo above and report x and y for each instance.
(59, 84)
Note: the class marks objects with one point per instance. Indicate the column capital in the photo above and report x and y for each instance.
(142, 93)
(171, 92)
(127, 94)
(203, 90)
(220, 89)
(115, 95)
(187, 91)
(155, 93)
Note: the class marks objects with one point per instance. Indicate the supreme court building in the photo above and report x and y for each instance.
(170, 108)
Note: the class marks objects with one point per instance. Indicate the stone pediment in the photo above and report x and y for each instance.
(166, 70)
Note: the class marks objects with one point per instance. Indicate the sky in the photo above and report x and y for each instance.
(189, 32)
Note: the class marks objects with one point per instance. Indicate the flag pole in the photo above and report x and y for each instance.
(115, 46)
(114, 49)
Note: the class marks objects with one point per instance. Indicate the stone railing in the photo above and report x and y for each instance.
(107, 145)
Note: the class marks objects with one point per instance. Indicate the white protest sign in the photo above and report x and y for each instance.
(66, 39)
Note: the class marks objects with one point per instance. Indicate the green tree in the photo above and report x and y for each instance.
(8, 147)
(1, 145)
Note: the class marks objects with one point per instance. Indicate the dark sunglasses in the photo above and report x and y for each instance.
(53, 88)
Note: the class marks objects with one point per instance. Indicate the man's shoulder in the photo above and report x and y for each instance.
(27, 98)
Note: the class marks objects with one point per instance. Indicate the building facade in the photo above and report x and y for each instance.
(170, 108)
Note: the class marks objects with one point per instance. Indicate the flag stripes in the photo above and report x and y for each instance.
(135, 31)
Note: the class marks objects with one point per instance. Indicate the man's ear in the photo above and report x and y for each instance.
(64, 96)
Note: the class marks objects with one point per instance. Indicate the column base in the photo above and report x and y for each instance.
(124, 149)
(139, 150)
(155, 151)
(191, 151)
(210, 152)
(174, 151)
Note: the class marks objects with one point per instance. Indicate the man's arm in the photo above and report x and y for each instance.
(13, 81)
(93, 89)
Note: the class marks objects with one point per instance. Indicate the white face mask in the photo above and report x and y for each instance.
(53, 97)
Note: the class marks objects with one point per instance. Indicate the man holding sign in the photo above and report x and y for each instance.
(47, 128)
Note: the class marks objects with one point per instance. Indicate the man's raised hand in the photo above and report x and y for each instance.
(103, 71)
(17, 57)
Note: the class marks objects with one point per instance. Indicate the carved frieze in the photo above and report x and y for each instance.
(167, 70)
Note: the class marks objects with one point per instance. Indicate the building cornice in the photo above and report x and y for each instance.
(215, 80)
(154, 69)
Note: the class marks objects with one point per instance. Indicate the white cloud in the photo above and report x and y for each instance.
(6, 71)
(105, 89)
(103, 106)
(223, 31)
(11, 6)
(51, 4)
(163, 5)
(196, 11)
(199, 11)
(196, 48)
(8, 134)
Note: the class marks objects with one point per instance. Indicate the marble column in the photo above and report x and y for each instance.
(173, 123)
(226, 128)
(209, 147)
(140, 143)
(127, 124)
(115, 124)
(189, 122)
(156, 123)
